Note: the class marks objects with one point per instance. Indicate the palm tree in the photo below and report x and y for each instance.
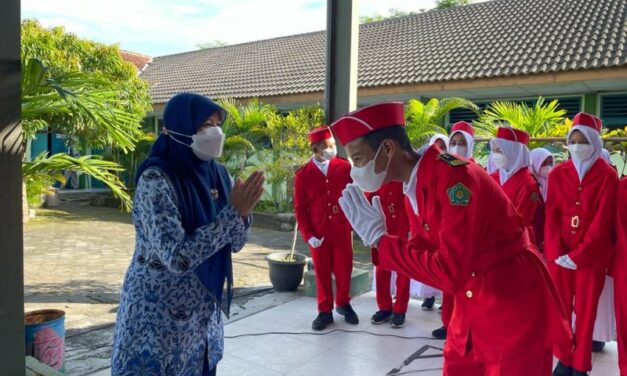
(542, 119)
(425, 120)
(246, 132)
(76, 104)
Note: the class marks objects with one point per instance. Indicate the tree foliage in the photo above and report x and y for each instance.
(426, 119)
(393, 13)
(445, 4)
(540, 119)
(83, 90)
(84, 85)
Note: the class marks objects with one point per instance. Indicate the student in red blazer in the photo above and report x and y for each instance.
(393, 204)
(619, 272)
(580, 214)
(511, 157)
(317, 187)
(471, 243)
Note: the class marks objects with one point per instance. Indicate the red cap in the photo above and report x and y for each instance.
(368, 119)
(587, 120)
(319, 134)
(463, 126)
(513, 134)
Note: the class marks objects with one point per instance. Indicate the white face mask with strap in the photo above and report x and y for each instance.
(207, 144)
(366, 178)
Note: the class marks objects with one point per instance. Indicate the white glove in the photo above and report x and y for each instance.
(315, 242)
(367, 219)
(566, 262)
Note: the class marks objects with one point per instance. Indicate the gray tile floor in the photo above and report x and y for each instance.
(340, 353)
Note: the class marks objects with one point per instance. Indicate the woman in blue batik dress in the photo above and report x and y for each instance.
(188, 220)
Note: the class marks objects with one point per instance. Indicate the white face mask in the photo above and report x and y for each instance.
(366, 178)
(580, 152)
(500, 160)
(207, 144)
(459, 150)
(329, 153)
(544, 171)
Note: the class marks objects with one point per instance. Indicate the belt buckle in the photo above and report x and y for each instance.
(574, 221)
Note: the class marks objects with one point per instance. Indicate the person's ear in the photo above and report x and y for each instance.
(388, 146)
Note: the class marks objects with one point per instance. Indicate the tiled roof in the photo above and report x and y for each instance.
(483, 40)
(140, 61)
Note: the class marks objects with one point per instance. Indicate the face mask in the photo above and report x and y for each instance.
(206, 144)
(544, 171)
(580, 152)
(459, 150)
(329, 153)
(500, 160)
(366, 178)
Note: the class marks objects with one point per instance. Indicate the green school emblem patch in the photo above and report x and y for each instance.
(459, 195)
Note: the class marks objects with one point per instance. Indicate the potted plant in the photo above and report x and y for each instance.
(286, 268)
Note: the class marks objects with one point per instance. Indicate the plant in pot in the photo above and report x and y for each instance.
(287, 268)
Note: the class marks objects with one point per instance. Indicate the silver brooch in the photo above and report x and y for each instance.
(215, 194)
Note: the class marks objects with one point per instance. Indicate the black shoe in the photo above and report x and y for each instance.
(427, 305)
(321, 322)
(349, 315)
(381, 317)
(597, 346)
(439, 333)
(562, 370)
(579, 373)
(398, 320)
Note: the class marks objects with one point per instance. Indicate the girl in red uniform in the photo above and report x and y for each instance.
(511, 156)
(580, 213)
(619, 272)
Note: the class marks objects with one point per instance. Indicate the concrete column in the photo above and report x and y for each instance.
(11, 233)
(342, 46)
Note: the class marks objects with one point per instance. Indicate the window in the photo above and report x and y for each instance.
(614, 110)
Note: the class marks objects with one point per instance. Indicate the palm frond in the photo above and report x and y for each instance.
(102, 170)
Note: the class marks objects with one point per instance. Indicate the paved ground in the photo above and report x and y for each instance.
(75, 258)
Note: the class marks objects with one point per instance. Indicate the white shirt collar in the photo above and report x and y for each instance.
(323, 166)
(409, 189)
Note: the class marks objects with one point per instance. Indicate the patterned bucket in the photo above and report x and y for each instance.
(45, 337)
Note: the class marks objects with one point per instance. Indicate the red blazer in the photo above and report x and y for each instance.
(580, 216)
(316, 199)
(471, 242)
(620, 256)
(524, 192)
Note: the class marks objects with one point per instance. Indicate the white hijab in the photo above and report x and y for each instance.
(605, 154)
(538, 156)
(439, 136)
(594, 138)
(517, 157)
(470, 141)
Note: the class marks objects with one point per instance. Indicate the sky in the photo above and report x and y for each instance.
(163, 27)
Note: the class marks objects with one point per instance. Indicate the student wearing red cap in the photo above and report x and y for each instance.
(461, 143)
(580, 214)
(462, 140)
(317, 188)
(619, 272)
(393, 204)
(511, 157)
(470, 242)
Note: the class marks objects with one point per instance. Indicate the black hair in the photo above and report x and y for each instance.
(396, 133)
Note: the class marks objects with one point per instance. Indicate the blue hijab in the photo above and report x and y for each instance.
(202, 188)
